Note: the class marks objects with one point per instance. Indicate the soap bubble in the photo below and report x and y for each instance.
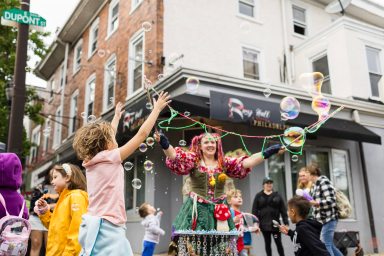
(147, 26)
(290, 107)
(148, 165)
(321, 105)
(143, 147)
(182, 143)
(150, 141)
(187, 113)
(101, 53)
(149, 106)
(192, 84)
(83, 115)
(136, 183)
(312, 82)
(291, 137)
(128, 166)
(267, 92)
(91, 119)
(160, 76)
(295, 158)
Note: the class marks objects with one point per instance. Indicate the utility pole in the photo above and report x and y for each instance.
(15, 133)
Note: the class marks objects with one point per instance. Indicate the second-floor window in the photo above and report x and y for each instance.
(374, 70)
(57, 131)
(51, 88)
(109, 83)
(136, 63)
(93, 35)
(251, 64)
(62, 76)
(113, 21)
(321, 65)
(90, 97)
(299, 20)
(35, 144)
(247, 8)
(77, 56)
(73, 113)
(135, 3)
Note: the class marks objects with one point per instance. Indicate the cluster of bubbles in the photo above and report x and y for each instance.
(312, 82)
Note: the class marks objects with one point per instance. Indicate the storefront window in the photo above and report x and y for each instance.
(321, 160)
(340, 171)
(295, 168)
(276, 170)
(135, 197)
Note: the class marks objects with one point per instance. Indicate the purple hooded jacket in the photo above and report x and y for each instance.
(10, 182)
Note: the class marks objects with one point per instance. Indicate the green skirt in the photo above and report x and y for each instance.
(205, 217)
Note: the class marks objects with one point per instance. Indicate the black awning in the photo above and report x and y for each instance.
(338, 128)
(196, 105)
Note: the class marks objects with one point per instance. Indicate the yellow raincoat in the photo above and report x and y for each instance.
(64, 223)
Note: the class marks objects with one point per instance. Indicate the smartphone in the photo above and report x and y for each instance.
(276, 223)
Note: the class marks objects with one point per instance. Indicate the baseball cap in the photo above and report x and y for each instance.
(267, 179)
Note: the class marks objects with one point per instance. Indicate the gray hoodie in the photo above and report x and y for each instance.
(153, 231)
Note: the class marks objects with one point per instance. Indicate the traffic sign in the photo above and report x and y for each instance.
(13, 16)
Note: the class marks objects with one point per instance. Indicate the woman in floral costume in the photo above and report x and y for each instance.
(208, 169)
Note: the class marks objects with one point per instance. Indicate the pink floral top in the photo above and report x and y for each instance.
(185, 161)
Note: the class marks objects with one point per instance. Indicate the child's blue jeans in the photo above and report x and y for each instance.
(148, 248)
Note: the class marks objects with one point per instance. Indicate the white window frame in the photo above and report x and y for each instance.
(62, 77)
(92, 78)
(76, 66)
(73, 112)
(46, 138)
(51, 88)
(326, 78)
(92, 38)
(57, 130)
(140, 35)
(111, 19)
(330, 151)
(259, 61)
(35, 139)
(298, 22)
(107, 79)
(134, 5)
(250, 3)
(380, 69)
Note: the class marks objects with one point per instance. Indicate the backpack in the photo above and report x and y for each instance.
(14, 233)
(344, 207)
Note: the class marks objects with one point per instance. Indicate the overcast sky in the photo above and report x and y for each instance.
(56, 13)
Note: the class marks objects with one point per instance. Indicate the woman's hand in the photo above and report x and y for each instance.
(162, 101)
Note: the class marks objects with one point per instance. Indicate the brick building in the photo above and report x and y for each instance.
(237, 49)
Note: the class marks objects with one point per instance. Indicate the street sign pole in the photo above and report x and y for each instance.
(15, 134)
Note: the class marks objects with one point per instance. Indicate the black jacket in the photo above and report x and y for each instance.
(268, 208)
(306, 239)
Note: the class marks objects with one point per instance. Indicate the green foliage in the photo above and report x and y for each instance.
(8, 37)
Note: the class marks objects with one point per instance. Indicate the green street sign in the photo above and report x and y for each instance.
(20, 16)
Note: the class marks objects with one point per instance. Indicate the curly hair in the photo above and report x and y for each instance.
(91, 139)
(219, 154)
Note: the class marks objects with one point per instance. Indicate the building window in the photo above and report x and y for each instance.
(46, 136)
(62, 76)
(247, 8)
(333, 163)
(136, 64)
(299, 20)
(135, 197)
(73, 113)
(135, 3)
(113, 22)
(77, 56)
(374, 70)
(251, 64)
(90, 95)
(51, 88)
(35, 139)
(93, 35)
(321, 65)
(109, 83)
(57, 131)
